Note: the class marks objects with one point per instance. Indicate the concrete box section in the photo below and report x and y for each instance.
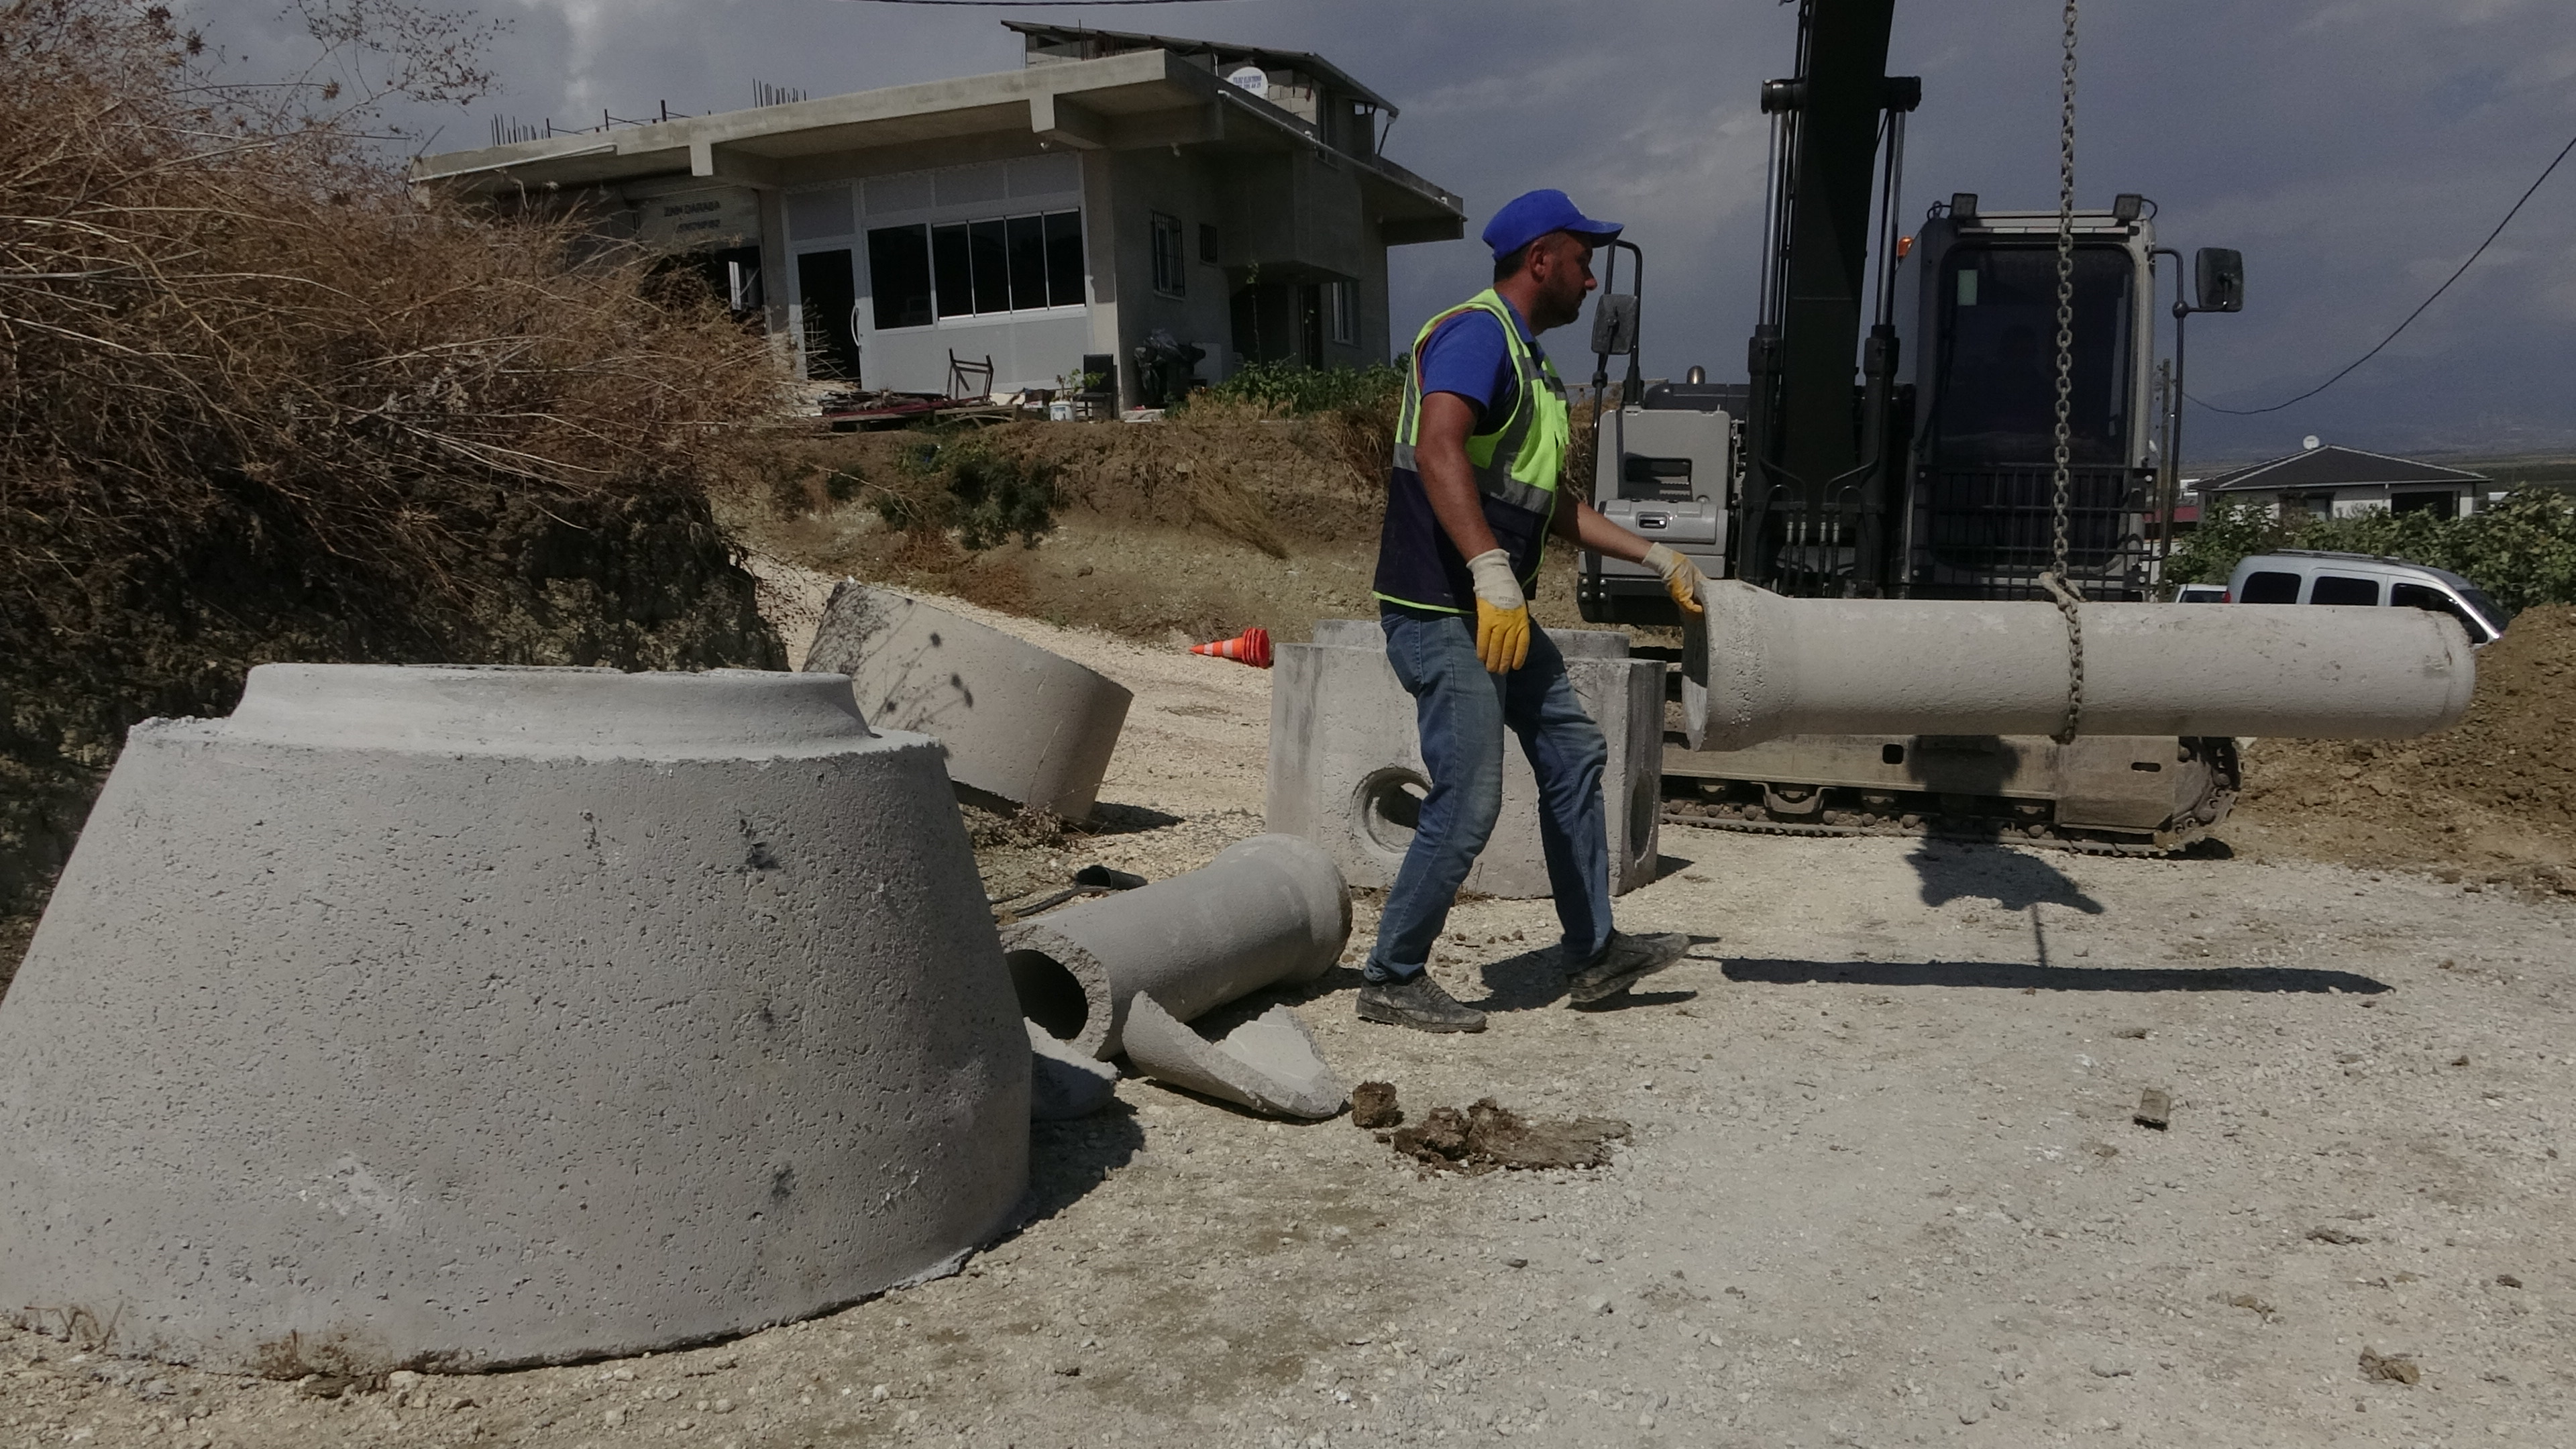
(460, 1018)
(1021, 726)
(1346, 767)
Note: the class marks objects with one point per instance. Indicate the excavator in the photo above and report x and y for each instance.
(1895, 438)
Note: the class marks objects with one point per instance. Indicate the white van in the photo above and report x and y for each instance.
(2304, 576)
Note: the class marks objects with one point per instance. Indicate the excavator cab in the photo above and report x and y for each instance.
(1983, 358)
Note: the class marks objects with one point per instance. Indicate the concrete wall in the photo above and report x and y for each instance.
(1142, 183)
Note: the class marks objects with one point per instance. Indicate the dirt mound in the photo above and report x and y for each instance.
(1171, 532)
(2493, 798)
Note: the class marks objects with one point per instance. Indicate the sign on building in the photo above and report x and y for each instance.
(702, 220)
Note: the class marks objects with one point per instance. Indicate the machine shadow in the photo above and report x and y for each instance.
(1068, 1159)
(1953, 869)
(2022, 976)
(1536, 979)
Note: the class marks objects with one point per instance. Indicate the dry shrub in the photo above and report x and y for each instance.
(259, 400)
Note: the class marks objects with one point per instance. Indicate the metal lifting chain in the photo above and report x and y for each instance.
(2069, 603)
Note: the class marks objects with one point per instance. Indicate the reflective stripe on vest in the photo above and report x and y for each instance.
(1519, 462)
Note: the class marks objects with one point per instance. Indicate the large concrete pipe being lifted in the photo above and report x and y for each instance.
(463, 1018)
(1759, 666)
(1021, 726)
(1267, 911)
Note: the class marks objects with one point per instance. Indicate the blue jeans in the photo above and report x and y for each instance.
(1462, 712)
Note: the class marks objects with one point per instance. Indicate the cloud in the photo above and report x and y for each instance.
(2354, 149)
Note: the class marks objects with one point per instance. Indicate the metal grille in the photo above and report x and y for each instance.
(1989, 533)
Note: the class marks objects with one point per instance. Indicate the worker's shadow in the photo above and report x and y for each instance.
(1535, 979)
(2041, 976)
(1952, 870)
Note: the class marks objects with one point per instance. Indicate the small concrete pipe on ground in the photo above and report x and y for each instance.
(1267, 911)
(1759, 666)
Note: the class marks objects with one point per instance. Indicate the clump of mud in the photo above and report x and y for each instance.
(1490, 1135)
(1373, 1106)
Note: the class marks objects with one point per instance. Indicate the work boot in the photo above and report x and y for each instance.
(1623, 963)
(1418, 1002)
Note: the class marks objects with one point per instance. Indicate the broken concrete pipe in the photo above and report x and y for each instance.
(1268, 911)
(1346, 769)
(1022, 727)
(1759, 666)
(478, 1017)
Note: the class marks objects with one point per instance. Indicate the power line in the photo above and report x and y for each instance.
(1037, 4)
(2419, 311)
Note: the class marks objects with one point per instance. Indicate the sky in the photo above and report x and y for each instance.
(2356, 151)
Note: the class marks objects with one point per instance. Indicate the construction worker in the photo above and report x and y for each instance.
(1472, 497)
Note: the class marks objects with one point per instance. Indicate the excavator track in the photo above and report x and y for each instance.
(1764, 793)
(1999, 832)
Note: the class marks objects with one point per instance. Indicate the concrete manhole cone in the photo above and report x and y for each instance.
(459, 1018)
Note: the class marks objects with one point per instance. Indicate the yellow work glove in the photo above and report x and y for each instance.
(1502, 614)
(1682, 578)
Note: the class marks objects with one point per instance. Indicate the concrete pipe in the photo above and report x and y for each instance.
(1267, 911)
(1021, 726)
(462, 1018)
(1760, 666)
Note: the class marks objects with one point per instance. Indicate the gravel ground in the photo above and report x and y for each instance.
(1884, 1186)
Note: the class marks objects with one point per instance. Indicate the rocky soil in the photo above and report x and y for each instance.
(1883, 1185)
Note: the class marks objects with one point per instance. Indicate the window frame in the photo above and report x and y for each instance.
(2346, 584)
(1342, 313)
(1168, 245)
(1060, 260)
(2261, 581)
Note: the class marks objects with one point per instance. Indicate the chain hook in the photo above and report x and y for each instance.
(2069, 602)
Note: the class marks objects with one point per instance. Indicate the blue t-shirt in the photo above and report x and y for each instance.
(1467, 356)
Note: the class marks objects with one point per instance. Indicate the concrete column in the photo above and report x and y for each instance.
(1762, 666)
(1266, 911)
(459, 1018)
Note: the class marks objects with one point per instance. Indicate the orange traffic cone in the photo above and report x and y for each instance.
(1252, 647)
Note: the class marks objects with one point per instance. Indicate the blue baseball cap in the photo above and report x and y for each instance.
(1533, 214)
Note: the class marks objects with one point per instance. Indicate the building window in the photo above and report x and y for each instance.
(919, 274)
(1171, 273)
(1342, 312)
(899, 276)
(1207, 242)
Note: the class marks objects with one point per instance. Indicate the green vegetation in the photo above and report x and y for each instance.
(1295, 390)
(984, 493)
(2521, 549)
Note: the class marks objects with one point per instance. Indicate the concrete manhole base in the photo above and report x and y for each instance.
(465, 1018)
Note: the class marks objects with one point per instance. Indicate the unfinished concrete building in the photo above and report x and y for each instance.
(1117, 186)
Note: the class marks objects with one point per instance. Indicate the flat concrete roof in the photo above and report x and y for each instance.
(1142, 98)
(1216, 50)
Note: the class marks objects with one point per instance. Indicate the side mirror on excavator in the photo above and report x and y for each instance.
(2220, 279)
(1614, 324)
